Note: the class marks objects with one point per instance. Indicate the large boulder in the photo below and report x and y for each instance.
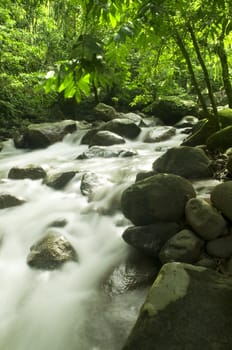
(51, 252)
(45, 134)
(188, 308)
(160, 197)
(221, 197)
(7, 200)
(123, 127)
(105, 112)
(184, 246)
(106, 138)
(185, 161)
(220, 247)
(150, 238)
(105, 152)
(205, 220)
(29, 172)
(172, 109)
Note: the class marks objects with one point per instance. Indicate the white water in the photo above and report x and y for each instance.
(67, 309)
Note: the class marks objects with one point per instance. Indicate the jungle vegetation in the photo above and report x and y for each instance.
(127, 53)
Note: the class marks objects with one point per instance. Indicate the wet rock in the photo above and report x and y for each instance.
(184, 246)
(221, 197)
(189, 162)
(160, 197)
(106, 138)
(205, 220)
(220, 140)
(58, 223)
(150, 238)
(105, 112)
(90, 182)
(59, 180)
(188, 308)
(134, 117)
(135, 272)
(220, 247)
(105, 152)
(7, 200)
(206, 261)
(45, 134)
(159, 133)
(88, 136)
(187, 122)
(51, 252)
(122, 127)
(29, 172)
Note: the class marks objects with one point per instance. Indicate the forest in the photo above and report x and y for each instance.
(59, 58)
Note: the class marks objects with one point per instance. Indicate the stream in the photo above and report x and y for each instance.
(68, 308)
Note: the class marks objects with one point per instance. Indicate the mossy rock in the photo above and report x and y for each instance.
(202, 131)
(225, 117)
(220, 140)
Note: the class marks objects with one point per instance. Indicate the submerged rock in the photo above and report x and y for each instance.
(188, 308)
(160, 197)
(51, 252)
(29, 172)
(8, 200)
(185, 161)
(105, 152)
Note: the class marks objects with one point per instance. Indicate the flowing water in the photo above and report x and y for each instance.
(67, 309)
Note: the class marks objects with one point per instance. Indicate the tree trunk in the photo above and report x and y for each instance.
(187, 58)
(224, 64)
(204, 69)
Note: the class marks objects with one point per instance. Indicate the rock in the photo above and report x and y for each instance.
(221, 247)
(187, 308)
(88, 136)
(137, 119)
(45, 134)
(205, 220)
(159, 133)
(122, 127)
(220, 140)
(185, 161)
(58, 223)
(29, 172)
(200, 133)
(105, 112)
(106, 138)
(172, 109)
(184, 246)
(229, 164)
(160, 197)
(7, 200)
(206, 261)
(90, 182)
(51, 252)
(144, 175)
(225, 117)
(150, 238)
(221, 197)
(135, 272)
(60, 180)
(187, 122)
(105, 152)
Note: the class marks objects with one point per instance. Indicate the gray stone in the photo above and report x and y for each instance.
(105, 152)
(184, 246)
(221, 197)
(159, 133)
(187, 308)
(45, 134)
(204, 219)
(189, 162)
(150, 238)
(144, 175)
(8, 200)
(122, 127)
(90, 182)
(187, 122)
(160, 197)
(106, 138)
(51, 252)
(29, 172)
(105, 112)
(220, 247)
(60, 180)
